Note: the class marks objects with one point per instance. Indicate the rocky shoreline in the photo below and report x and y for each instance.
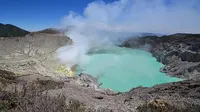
(36, 90)
(180, 53)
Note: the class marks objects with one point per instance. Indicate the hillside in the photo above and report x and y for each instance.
(49, 31)
(31, 82)
(8, 30)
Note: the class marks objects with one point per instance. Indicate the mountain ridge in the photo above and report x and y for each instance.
(9, 30)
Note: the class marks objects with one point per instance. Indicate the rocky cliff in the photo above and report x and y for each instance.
(180, 53)
(27, 82)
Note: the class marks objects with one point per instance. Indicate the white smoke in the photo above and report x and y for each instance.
(103, 24)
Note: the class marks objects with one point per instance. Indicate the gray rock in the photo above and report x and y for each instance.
(87, 81)
(179, 53)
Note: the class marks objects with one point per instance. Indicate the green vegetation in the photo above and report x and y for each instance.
(8, 30)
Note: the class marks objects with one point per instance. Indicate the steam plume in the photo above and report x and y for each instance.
(103, 24)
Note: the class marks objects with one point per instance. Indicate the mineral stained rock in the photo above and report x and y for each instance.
(179, 53)
(27, 82)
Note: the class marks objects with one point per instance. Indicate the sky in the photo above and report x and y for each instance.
(140, 15)
(38, 14)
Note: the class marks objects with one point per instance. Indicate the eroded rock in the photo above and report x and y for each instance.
(179, 53)
(87, 81)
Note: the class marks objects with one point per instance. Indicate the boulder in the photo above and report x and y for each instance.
(87, 81)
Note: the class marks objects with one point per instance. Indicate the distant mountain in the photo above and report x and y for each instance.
(49, 31)
(8, 30)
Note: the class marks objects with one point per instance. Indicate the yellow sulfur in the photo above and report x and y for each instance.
(70, 74)
(63, 69)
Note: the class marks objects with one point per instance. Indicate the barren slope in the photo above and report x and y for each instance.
(30, 83)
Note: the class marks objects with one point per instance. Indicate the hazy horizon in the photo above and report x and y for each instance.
(156, 16)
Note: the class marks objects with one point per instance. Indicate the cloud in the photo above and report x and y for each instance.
(158, 16)
(104, 24)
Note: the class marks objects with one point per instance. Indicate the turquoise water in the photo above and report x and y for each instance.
(122, 68)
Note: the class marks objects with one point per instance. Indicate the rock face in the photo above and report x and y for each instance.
(86, 80)
(27, 83)
(32, 44)
(32, 54)
(180, 53)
